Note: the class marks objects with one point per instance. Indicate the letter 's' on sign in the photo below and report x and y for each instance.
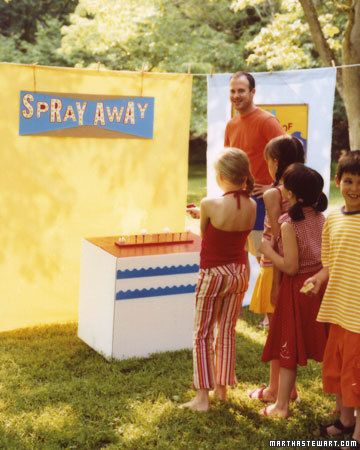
(85, 115)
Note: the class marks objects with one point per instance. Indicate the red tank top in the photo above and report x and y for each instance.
(219, 247)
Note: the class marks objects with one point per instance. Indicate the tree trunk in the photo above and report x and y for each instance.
(351, 75)
(317, 34)
(326, 54)
(348, 79)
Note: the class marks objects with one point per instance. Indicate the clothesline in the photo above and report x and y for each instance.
(342, 66)
(35, 66)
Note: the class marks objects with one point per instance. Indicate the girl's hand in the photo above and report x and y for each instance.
(265, 247)
(193, 210)
(311, 286)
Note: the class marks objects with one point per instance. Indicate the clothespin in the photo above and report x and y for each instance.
(143, 67)
(34, 74)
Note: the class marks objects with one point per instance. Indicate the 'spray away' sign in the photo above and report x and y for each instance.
(86, 115)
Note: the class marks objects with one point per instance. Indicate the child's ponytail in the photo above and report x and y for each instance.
(278, 174)
(321, 203)
(306, 185)
(296, 212)
(249, 184)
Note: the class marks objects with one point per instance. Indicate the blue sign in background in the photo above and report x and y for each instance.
(143, 119)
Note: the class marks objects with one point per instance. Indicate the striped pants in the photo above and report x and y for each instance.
(219, 294)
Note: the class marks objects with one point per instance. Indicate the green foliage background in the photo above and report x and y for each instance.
(172, 36)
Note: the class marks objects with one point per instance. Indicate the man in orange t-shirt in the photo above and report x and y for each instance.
(250, 130)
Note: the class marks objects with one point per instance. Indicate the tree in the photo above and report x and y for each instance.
(348, 81)
(162, 35)
(310, 33)
(21, 17)
(30, 30)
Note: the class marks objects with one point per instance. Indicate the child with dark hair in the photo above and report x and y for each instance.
(294, 335)
(279, 153)
(341, 303)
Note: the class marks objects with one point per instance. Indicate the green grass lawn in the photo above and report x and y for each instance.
(335, 196)
(57, 393)
(196, 183)
(197, 186)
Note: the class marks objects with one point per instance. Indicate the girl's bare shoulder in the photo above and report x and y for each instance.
(272, 192)
(286, 226)
(252, 202)
(209, 202)
(249, 203)
(272, 195)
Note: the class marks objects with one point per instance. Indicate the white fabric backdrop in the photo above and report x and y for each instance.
(316, 87)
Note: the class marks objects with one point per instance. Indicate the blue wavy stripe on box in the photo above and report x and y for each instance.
(155, 292)
(157, 271)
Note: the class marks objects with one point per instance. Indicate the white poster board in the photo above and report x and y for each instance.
(314, 87)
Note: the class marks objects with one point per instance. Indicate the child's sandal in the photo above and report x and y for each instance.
(258, 394)
(337, 424)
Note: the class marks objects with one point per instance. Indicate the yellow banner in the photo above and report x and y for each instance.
(56, 190)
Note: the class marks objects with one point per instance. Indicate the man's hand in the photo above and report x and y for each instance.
(259, 189)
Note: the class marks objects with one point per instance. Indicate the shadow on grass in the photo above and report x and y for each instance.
(56, 392)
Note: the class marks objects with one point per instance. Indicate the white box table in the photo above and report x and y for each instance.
(137, 300)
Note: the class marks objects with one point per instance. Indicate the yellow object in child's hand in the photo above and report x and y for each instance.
(308, 287)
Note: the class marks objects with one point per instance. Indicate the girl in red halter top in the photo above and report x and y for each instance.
(225, 223)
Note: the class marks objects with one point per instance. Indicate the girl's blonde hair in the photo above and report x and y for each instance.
(233, 166)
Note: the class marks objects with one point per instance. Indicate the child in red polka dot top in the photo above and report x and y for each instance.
(295, 336)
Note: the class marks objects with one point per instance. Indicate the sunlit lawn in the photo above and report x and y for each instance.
(335, 196)
(197, 186)
(56, 392)
(196, 183)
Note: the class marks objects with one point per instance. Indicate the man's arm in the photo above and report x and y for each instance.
(226, 138)
(270, 129)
